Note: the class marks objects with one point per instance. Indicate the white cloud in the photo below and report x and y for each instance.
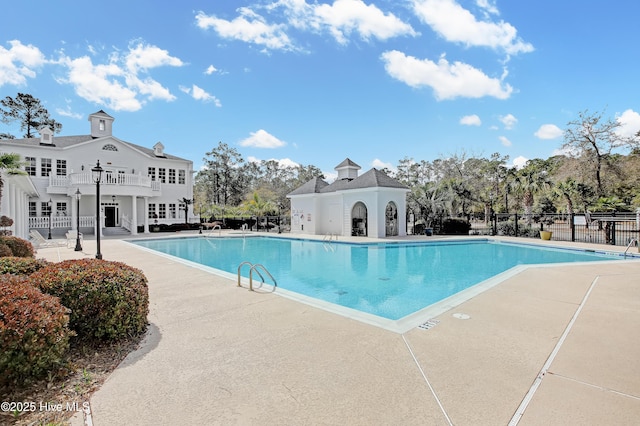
(248, 27)
(19, 63)
(210, 70)
(100, 84)
(68, 113)
(629, 123)
(143, 56)
(456, 24)
(262, 139)
(121, 84)
(488, 6)
(199, 94)
(448, 80)
(548, 131)
(520, 162)
(346, 16)
(504, 141)
(379, 164)
(471, 120)
(508, 121)
(283, 163)
(342, 18)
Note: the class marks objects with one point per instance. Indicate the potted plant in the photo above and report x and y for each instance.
(545, 235)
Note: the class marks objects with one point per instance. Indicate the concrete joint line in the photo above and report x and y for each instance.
(538, 380)
(602, 388)
(424, 376)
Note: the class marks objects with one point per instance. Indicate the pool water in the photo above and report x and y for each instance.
(389, 280)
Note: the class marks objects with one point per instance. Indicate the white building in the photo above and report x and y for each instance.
(140, 186)
(372, 204)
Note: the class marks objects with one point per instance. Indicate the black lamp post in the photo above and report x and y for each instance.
(50, 207)
(96, 174)
(78, 246)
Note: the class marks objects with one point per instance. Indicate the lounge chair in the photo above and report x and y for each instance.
(72, 236)
(40, 242)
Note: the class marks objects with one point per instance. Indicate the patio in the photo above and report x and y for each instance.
(218, 354)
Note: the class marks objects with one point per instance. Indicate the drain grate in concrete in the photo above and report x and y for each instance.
(429, 324)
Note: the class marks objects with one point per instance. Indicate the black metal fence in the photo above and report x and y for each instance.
(599, 228)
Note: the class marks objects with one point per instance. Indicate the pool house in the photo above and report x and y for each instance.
(368, 205)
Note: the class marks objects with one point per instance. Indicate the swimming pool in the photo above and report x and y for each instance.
(388, 280)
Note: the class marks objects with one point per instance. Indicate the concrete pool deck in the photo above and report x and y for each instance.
(562, 339)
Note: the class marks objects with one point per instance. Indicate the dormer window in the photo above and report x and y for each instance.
(158, 150)
(46, 136)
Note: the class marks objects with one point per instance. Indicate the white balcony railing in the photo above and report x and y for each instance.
(42, 222)
(119, 179)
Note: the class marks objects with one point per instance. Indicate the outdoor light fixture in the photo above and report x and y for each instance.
(50, 208)
(96, 174)
(78, 246)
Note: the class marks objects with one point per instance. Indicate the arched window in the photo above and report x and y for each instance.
(109, 147)
(359, 219)
(391, 220)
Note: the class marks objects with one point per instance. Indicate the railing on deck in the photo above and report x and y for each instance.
(124, 179)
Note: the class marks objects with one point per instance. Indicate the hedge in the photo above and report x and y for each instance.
(33, 331)
(108, 300)
(21, 265)
(17, 246)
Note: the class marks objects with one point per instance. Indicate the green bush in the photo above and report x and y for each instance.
(21, 265)
(5, 250)
(18, 246)
(108, 300)
(455, 226)
(33, 331)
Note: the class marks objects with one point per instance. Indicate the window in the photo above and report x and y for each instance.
(152, 211)
(109, 147)
(45, 167)
(61, 209)
(172, 211)
(30, 167)
(172, 176)
(61, 167)
(151, 172)
(33, 209)
(45, 208)
(162, 175)
(102, 125)
(181, 177)
(162, 211)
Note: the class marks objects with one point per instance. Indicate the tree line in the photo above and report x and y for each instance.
(599, 171)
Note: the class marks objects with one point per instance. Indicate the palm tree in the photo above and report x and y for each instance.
(257, 206)
(530, 180)
(567, 189)
(9, 164)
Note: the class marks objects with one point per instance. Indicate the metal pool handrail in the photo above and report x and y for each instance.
(255, 268)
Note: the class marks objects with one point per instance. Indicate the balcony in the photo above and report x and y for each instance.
(112, 184)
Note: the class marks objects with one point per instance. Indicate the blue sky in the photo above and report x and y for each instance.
(315, 82)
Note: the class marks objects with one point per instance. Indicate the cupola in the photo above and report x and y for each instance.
(347, 170)
(101, 124)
